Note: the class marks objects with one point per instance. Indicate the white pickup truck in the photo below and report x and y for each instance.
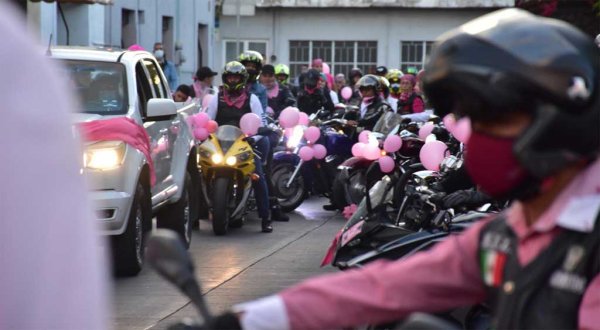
(113, 84)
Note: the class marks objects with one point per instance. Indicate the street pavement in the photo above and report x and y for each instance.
(244, 265)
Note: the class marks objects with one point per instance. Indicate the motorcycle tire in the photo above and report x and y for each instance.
(338, 193)
(220, 205)
(292, 197)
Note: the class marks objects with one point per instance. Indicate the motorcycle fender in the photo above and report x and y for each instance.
(355, 162)
(286, 157)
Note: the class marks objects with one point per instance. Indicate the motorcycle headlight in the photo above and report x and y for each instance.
(105, 155)
(217, 158)
(231, 160)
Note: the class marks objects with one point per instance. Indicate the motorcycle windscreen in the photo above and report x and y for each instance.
(387, 122)
(227, 135)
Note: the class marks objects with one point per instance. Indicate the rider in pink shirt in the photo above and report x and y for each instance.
(534, 140)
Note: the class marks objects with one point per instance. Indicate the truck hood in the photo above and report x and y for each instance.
(85, 117)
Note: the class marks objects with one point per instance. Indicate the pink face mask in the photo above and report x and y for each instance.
(492, 165)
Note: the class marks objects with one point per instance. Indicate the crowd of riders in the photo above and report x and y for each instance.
(249, 85)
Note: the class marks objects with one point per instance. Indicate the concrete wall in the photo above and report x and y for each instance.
(387, 26)
(99, 25)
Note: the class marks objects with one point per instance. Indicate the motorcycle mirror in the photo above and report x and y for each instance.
(167, 255)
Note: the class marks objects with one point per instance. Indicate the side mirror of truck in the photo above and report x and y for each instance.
(161, 108)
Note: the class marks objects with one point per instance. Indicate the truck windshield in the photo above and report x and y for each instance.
(101, 86)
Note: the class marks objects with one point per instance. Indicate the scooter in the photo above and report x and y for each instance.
(226, 161)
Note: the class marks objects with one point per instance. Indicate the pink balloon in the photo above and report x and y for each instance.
(312, 134)
(289, 117)
(392, 144)
(462, 130)
(200, 133)
(326, 69)
(432, 154)
(303, 119)
(206, 100)
(306, 153)
(364, 136)
(358, 149)
(346, 93)
(201, 119)
(371, 152)
(320, 151)
(425, 130)
(450, 122)
(386, 164)
(212, 126)
(249, 123)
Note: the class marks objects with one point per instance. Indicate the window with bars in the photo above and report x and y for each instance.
(341, 56)
(413, 54)
(231, 50)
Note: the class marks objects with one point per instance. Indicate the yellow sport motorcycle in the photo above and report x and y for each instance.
(226, 162)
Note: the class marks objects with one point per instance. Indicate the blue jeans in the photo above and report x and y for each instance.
(261, 191)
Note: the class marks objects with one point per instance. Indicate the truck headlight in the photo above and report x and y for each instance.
(217, 158)
(105, 155)
(231, 160)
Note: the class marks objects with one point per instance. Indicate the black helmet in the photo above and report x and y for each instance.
(311, 78)
(355, 73)
(511, 60)
(369, 81)
(234, 68)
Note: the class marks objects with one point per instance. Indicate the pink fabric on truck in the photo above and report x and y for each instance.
(120, 129)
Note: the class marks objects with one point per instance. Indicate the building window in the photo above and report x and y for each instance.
(341, 56)
(413, 54)
(231, 51)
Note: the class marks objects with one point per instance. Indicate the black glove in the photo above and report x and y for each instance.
(264, 130)
(225, 321)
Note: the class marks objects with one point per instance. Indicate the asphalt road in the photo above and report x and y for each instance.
(244, 265)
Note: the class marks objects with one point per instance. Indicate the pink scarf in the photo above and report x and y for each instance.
(238, 102)
(273, 92)
(120, 129)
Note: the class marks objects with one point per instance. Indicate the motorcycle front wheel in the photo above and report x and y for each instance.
(221, 195)
(289, 197)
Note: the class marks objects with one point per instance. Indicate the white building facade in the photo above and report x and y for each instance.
(122, 23)
(344, 33)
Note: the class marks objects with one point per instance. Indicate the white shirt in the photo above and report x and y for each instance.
(334, 97)
(255, 106)
(53, 272)
(393, 102)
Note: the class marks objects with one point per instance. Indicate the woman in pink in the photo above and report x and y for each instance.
(409, 101)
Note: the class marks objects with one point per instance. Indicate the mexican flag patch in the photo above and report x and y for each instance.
(492, 267)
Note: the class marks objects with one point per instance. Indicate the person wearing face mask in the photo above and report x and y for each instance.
(535, 139)
(168, 67)
(372, 104)
(253, 62)
(279, 95)
(409, 101)
(311, 96)
(232, 102)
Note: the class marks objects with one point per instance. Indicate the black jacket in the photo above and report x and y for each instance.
(311, 103)
(283, 100)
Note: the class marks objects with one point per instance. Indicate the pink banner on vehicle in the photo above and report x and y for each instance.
(120, 129)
